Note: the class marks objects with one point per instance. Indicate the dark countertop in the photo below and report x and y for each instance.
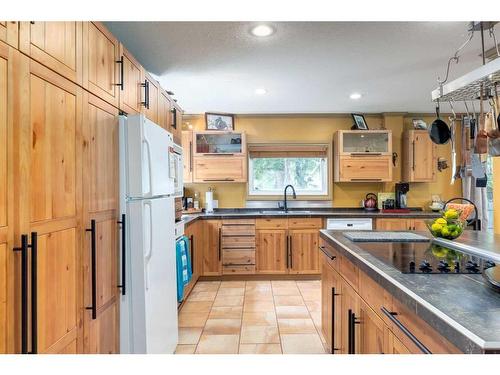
(462, 308)
(244, 213)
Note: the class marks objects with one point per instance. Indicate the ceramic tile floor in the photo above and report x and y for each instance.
(252, 317)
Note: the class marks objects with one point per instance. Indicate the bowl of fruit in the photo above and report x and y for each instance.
(448, 226)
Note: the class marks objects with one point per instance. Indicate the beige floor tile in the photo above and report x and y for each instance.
(258, 283)
(286, 291)
(283, 283)
(302, 344)
(296, 326)
(260, 349)
(218, 344)
(189, 335)
(292, 312)
(258, 306)
(313, 305)
(196, 306)
(311, 295)
(288, 301)
(202, 296)
(226, 312)
(228, 301)
(259, 335)
(258, 296)
(185, 349)
(192, 319)
(232, 284)
(309, 284)
(222, 327)
(259, 318)
(231, 291)
(206, 286)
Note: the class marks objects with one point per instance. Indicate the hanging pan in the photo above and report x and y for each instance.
(439, 130)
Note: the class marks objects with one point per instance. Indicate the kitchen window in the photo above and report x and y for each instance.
(272, 167)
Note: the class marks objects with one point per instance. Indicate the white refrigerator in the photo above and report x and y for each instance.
(148, 307)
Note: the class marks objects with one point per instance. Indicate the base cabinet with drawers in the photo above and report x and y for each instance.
(359, 317)
(400, 224)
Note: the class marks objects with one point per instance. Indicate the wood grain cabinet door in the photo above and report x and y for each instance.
(9, 31)
(152, 94)
(393, 224)
(212, 252)
(100, 191)
(326, 301)
(349, 305)
(48, 197)
(101, 62)
(164, 110)
(304, 253)
(8, 58)
(56, 45)
(131, 94)
(419, 156)
(271, 251)
(373, 333)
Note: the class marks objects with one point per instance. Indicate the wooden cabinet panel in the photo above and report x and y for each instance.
(352, 169)
(132, 91)
(238, 270)
(101, 70)
(194, 232)
(419, 157)
(271, 251)
(304, 253)
(212, 248)
(176, 122)
(48, 198)
(393, 224)
(349, 271)
(243, 242)
(152, 97)
(304, 223)
(187, 149)
(164, 112)
(373, 333)
(9, 31)
(219, 169)
(271, 223)
(419, 224)
(396, 346)
(56, 45)
(238, 257)
(103, 336)
(326, 301)
(238, 229)
(4, 271)
(349, 304)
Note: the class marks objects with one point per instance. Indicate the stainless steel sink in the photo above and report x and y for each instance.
(281, 212)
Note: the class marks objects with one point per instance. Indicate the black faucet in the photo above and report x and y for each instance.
(285, 207)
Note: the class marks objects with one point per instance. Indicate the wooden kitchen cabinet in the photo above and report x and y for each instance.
(101, 205)
(303, 248)
(271, 251)
(401, 224)
(48, 199)
(152, 95)
(219, 169)
(419, 156)
(164, 110)
(212, 251)
(331, 316)
(9, 32)
(374, 335)
(194, 233)
(56, 45)
(132, 83)
(176, 122)
(101, 62)
(187, 149)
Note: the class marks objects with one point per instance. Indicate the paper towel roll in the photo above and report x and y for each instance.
(209, 201)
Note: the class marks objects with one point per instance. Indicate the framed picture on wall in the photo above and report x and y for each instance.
(219, 121)
(359, 122)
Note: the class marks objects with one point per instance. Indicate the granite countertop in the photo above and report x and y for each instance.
(462, 308)
(242, 213)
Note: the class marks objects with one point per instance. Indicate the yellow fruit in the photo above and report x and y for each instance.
(451, 214)
(441, 221)
(445, 232)
(436, 227)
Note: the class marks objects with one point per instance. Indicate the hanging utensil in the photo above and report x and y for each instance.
(453, 145)
(439, 131)
(494, 133)
(481, 145)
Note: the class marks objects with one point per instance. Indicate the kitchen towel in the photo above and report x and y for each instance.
(184, 270)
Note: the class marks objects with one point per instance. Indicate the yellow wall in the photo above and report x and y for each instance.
(320, 129)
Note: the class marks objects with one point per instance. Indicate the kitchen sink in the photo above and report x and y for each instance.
(281, 212)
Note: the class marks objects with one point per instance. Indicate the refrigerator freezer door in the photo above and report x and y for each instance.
(153, 299)
(147, 158)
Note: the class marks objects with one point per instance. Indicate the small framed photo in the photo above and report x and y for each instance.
(359, 122)
(219, 121)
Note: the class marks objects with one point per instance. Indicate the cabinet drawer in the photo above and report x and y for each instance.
(238, 242)
(328, 252)
(238, 270)
(271, 223)
(219, 169)
(376, 296)
(238, 257)
(349, 271)
(303, 223)
(366, 168)
(238, 230)
(238, 222)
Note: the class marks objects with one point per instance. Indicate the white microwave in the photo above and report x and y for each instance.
(175, 169)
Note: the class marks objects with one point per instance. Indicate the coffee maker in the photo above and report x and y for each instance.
(401, 189)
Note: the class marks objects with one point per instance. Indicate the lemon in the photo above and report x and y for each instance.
(451, 214)
(441, 221)
(436, 227)
(445, 232)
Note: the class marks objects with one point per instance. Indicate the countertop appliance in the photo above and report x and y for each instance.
(148, 304)
(401, 189)
(426, 257)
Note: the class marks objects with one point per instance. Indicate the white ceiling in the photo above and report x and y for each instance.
(306, 67)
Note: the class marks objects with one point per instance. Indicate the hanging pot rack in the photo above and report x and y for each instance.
(468, 86)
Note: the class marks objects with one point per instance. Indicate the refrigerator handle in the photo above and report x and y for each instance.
(150, 178)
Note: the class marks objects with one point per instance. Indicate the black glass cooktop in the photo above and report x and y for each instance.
(418, 257)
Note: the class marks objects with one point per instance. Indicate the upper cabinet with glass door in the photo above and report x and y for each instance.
(211, 143)
(364, 142)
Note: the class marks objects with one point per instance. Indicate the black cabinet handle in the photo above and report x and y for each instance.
(24, 292)
(291, 252)
(34, 293)
(190, 156)
(147, 94)
(287, 251)
(191, 247)
(414, 156)
(94, 273)
(392, 317)
(174, 117)
(123, 227)
(352, 332)
(323, 249)
(121, 84)
(220, 244)
(334, 349)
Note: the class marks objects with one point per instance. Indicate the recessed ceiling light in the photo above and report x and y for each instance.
(262, 30)
(261, 91)
(355, 96)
